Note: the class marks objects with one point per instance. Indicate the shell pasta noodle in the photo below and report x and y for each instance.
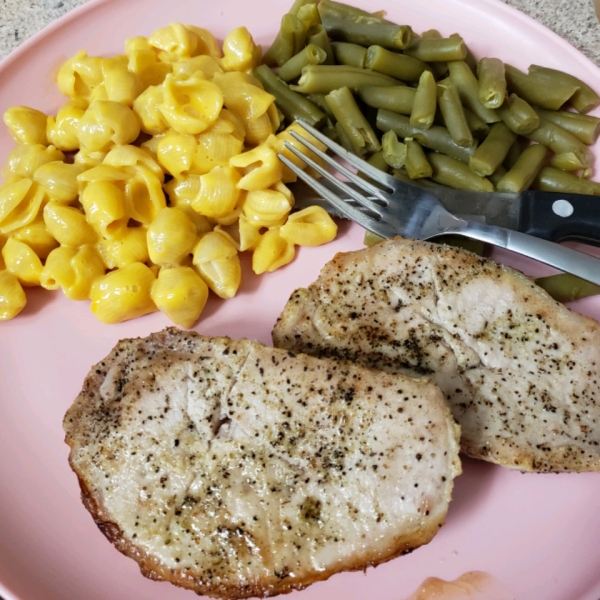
(143, 188)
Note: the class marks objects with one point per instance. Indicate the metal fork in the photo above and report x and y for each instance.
(391, 207)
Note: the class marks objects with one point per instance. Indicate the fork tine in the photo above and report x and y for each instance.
(346, 189)
(365, 185)
(381, 228)
(359, 163)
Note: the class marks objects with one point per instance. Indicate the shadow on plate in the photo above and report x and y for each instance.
(471, 488)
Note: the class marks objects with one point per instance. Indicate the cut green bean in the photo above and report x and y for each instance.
(352, 121)
(583, 100)
(537, 90)
(560, 141)
(453, 113)
(525, 170)
(456, 174)
(394, 151)
(584, 127)
(310, 55)
(493, 150)
(319, 100)
(513, 154)
(400, 66)
(479, 128)
(470, 59)
(343, 138)
(289, 41)
(568, 161)
(550, 179)
(347, 24)
(378, 161)
(431, 49)
(435, 138)
(326, 78)
(352, 55)
(497, 175)
(459, 241)
(318, 36)
(297, 5)
(399, 99)
(425, 102)
(492, 82)
(518, 115)
(291, 104)
(416, 164)
(565, 287)
(468, 90)
(402, 175)
(308, 15)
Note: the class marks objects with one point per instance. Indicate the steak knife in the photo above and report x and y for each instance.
(553, 216)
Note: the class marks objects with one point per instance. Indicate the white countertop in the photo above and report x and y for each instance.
(574, 21)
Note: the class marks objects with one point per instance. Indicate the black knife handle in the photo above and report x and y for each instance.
(559, 216)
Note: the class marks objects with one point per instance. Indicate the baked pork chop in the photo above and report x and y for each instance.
(236, 470)
(519, 370)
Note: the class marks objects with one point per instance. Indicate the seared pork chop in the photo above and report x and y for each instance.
(519, 370)
(238, 470)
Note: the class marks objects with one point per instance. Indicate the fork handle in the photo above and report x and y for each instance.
(565, 259)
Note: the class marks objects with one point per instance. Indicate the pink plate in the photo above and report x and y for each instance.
(538, 535)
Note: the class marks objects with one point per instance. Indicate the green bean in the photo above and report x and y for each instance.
(352, 121)
(458, 241)
(583, 100)
(431, 49)
(402, 175)
(453, 113)
(291, 104)
(348, 24)
(470, 60)
(319, 100)
(560, 141)
(399, 99)
(318, 36)
(298, 5)
(431, 33)
(493, 150)
(585, 127)
(550, 179)
(513, 154)
(326, 78)
(329, 130)
(400, 66)
(370, 238)
(537, 90)
(568, 161)
(435, 138)
(352, 55)
(343, 138)
(456, 174)
(525, 170)
(416, 163)
(565, 287)
(378, 161)
(497, 175)
(438, 68)
(425, 102)
(308, 14)
(394, 151)
(518, 115)
(479, 128)
(289, 41)
(310, 55)
(492, 82)
(468, 90)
